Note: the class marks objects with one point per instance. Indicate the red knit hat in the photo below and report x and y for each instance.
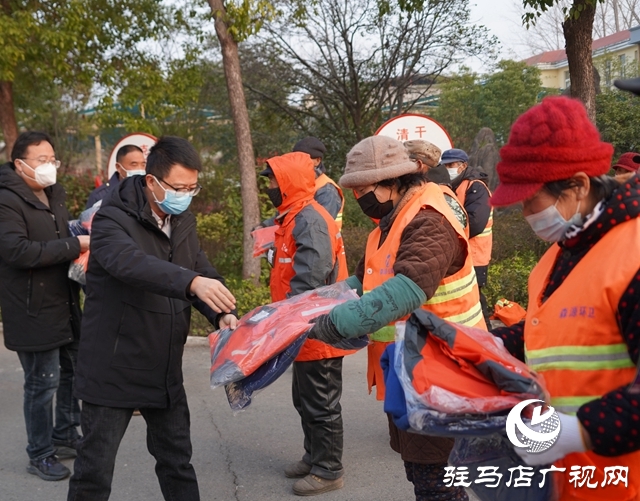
(629, 161)
(550, 142)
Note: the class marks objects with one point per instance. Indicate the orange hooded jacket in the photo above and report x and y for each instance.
(309, 252)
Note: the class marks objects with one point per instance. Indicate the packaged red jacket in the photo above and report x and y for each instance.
(263, 239)
(455, 369)
(82, 226)
(268, 330)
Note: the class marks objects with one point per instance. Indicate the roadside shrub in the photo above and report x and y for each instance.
(512, 234)
(78, 188)
(508, 278)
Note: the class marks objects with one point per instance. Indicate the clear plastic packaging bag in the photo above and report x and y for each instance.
(78, 268)
(478, 424)
(263, 239)
(240, 393)
(476, 378)
(269, 330)
(494, 453)
(82, 226)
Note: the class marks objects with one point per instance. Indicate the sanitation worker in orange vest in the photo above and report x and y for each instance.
(470, 186)
(326, 192)
(308, 253)
(582, 329)
(417, 257)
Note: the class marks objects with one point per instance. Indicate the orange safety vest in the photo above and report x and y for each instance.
(482, 243)
(457, 297)
(323, 180)
(283, 272)
(574, 341)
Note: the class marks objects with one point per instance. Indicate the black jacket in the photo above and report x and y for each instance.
(476, 202)
(40, 305)
(103, 191)
(138, 309)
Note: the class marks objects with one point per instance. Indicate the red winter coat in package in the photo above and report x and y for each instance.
(268, 330)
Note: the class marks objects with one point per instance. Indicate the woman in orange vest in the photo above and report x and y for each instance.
(471, 187)
(582, 328)
(308, 253)
(417, 257)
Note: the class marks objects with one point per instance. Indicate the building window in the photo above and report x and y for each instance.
(623, 64)
(567, 80)
(607, 73)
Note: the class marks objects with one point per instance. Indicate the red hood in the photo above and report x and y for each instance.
(296, 178)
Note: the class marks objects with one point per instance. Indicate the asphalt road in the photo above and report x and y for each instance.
(237, 457)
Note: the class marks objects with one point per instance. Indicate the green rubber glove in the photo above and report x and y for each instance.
(390, 301)
(354, 283)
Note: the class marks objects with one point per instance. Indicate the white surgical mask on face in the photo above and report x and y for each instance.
(550, 225)
(138, 172)
(453, 172)
(45, 174)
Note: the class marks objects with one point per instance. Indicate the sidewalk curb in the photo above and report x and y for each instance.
(197, 341)
(191, 340)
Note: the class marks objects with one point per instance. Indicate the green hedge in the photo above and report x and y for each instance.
(248, 297)
(508, 278)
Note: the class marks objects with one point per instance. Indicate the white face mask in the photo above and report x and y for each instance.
(549, 224)
(45, 174)
(453, 172)
(130, 173)
(139, 172)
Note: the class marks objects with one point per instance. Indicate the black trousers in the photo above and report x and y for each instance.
(316, 391)
(168, 441)
(481, 277)
(429, 485)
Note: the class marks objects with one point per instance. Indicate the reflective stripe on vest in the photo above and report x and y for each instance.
(574, 341)
(580, 358)
(456, 299)
(323, 180)
(482, 243)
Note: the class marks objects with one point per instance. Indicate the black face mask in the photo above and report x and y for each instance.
(275, 195)
(374, 208)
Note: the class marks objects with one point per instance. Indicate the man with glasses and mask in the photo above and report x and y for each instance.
(146, 270)
(40, 305)
(129, 162)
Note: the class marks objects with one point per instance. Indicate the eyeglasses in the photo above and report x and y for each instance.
(181, 192)
(41, 161)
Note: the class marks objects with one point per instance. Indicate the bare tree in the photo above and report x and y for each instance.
(353, 66)
(611, 16)
(246, 158)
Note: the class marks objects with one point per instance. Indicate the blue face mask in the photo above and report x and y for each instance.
(550, 225)
(173, 202)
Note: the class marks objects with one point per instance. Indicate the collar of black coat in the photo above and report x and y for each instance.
(130, 196)
(622, 205)
(10, 180)
(472, 174)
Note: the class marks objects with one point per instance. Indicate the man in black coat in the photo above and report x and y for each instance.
(146, 270)
(40, 305)
(130, 162)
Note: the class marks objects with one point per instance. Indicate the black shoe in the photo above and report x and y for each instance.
(48, 468)
(65, 449)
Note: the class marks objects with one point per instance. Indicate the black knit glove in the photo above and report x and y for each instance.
(324, 330)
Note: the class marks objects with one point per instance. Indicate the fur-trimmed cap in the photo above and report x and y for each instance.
(375, 159)
(424, 151)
